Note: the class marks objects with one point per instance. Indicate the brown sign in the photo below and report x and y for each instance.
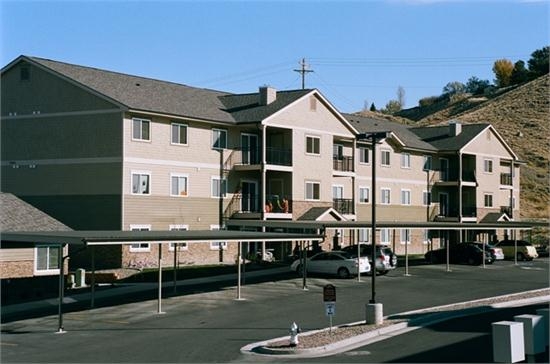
(329, 293)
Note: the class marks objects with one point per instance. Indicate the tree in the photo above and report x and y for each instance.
(502, 69)
(519, 73)
(401, 96)
(453, 88)
(539, 62)
(476, 86)
(372, 107)
(392, 107)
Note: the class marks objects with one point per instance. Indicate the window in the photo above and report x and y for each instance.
(364, 235)
(141, 129)
(427, 163)
(313, 191)
(488, 198)
(46, 259)
(219, 187)
(425, 237)
(181, 246)
(385, 161)
(405, 160)
(426, 198)
(179, 134)
(363, 155)
(219, 138)
(24, 73)
(141, 183)
(140, 247)
(364, 195)
(385, 196)
(178, 185)
(385, 236)
(215, 245)
(337, 192)
(488, 165)
(405, 197)
(405, 236)
(313, 145)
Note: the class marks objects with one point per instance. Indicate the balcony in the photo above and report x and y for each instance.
(344, 206)
(506, 179)
(279, 156)
(507, 210)
(343, 164)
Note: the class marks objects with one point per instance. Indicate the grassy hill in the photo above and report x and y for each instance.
(521, 115)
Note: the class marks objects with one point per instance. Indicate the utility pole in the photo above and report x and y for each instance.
(303, 70)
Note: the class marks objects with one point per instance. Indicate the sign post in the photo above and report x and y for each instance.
(329, 298)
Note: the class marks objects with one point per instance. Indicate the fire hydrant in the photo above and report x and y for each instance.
(294, 331)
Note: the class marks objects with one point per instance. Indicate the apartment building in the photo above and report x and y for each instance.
(101, 150)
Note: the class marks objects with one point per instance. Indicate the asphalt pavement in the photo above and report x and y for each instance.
(204, 322)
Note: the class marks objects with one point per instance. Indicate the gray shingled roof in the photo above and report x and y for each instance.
(140, 93)
(403, 132)
(17, 215)
(439, 137)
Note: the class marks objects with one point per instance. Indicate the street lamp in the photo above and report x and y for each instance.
(374, 137)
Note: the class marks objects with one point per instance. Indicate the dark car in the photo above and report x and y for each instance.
(386, 260)
(459, 253)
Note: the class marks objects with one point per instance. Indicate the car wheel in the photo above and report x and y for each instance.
(471, 261)
(434, 259)
(343, 273)
(521, 256)
(383, 272)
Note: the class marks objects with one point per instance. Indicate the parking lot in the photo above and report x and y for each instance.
(206, 323)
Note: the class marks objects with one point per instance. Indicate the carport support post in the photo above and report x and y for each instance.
(239, 270)
(159, 308)
(92, 295)
(407, 259)
(60, 329)
(304, 268)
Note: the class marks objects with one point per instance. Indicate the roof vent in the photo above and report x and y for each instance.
(267, 95)
(455, 128)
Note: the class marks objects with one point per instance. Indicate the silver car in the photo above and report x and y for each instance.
(338, 263)
(385, 261)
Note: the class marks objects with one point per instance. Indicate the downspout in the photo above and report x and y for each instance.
(263, 183)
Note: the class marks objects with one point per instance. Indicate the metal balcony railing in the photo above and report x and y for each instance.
(506, 179)
(343, 164)
(343, 205)
(279, 156)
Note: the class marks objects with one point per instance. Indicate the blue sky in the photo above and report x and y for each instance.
(359, 50)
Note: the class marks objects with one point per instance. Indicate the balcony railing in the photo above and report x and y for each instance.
(249, 203)
(506, 210)
(469, 211)
(279, 156)
(343, 164)
(506, 179)
(343, 205)
(451, 175)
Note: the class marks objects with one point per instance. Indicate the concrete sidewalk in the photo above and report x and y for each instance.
(110, 291)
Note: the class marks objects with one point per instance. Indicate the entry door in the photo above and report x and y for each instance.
(444, 166)
(249, 196)
(443, 204)
(249, 146)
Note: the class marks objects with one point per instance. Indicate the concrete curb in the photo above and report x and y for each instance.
(429, 318)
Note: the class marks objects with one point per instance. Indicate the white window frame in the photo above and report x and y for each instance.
(488, 196)
(405, 160)
(178, 126)
(313, 137)
(312, 198)
(364, 152)
(217, 137)
(426, 198)
(362, 191)
(178, 176)
(425, 237)
(405, 236)
(427, 165)
(406, 197)
(222, 183)
(140, 173)
(385, 236)
(337, 188)
(140, 247)
(182, 246)
(363, 235)
(488, 166)
(140, 121)
(383, 192)
(215, 245)
(383, 161)
(49, 270)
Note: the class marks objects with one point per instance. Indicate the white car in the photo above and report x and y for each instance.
(338, 263)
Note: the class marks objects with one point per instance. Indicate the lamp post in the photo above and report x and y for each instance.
(374, 137)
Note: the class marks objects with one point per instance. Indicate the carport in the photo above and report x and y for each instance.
(95, 238)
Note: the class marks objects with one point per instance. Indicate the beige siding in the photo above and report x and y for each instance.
(16, 255)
